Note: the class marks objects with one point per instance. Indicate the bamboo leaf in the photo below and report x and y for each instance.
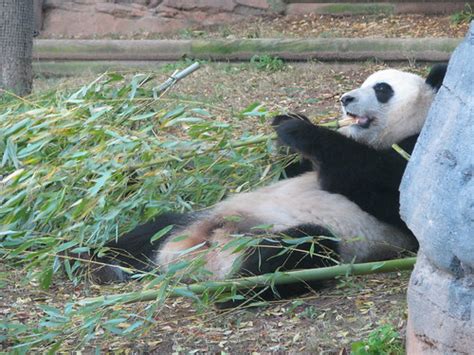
(46, 277)
(100, 183)
(178, 120)
(161, 233)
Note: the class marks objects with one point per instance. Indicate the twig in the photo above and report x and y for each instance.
(281, 278)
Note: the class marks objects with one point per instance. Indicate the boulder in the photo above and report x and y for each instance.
(437, 203)
(96, 18)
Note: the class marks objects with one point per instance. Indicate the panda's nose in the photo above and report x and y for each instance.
(347, 99)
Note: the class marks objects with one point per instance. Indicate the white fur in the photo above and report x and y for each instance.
(300, 200)
(287, 204)
(402, 116)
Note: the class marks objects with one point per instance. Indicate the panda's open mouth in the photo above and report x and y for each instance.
(352, 119)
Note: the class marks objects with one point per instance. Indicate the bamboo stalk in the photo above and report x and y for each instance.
(282, 278)
(401, 151)
(173, 79)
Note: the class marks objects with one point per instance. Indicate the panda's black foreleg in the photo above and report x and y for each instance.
(343, 161)
(277, 120)
(313, 142)
(366, 176)
(303, 165)
(135, 250)
(281, 253)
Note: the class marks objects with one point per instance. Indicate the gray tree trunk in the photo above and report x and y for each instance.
(16, 43)
(38, 15)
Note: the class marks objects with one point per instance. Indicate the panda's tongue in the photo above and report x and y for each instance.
(362, 121)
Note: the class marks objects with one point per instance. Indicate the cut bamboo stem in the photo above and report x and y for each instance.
(400, 151)
(173, 79)
(281, 278)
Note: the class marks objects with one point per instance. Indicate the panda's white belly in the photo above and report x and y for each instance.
(283, 205)
(298, 201)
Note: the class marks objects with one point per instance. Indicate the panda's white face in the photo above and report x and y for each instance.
(389, 106)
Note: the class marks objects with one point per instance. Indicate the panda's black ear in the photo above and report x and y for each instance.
(436, 76)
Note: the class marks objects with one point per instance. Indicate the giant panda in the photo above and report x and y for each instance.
(345, 209)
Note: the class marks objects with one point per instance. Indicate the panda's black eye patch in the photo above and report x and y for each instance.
(383, 92)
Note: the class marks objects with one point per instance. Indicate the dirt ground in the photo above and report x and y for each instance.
(311, 88)
(327, 26)
(327, 321)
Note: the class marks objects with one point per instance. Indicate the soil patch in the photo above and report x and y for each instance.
(328, 320)
(313, 25)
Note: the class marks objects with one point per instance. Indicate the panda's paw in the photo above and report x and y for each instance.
(277, 120)
(296, 134)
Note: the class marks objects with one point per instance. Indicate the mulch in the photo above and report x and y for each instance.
(326, 26)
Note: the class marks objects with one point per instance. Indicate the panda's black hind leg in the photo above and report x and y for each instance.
(134, 250)
(286, 253)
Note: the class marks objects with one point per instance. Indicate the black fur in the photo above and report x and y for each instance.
(134, 249)
(302, 165)
(436, 76)
(368, 177)
(383, 92)
(278, 254)
(267, 256)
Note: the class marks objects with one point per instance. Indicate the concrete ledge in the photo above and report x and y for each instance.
(63, 68)
(325, 49)
(57, 49)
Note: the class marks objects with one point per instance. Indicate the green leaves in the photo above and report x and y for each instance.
(383, 340)
(161, 233)
(79, 168)
(255, 109)
(267, 63)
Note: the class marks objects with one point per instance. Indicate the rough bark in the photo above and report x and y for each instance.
(16, 44)
(38, 13)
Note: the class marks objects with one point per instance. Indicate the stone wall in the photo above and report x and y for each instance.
(80, 18)
(90, 18)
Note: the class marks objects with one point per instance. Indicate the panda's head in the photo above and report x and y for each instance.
(389, 106)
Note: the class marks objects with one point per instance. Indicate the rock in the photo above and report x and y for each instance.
(154, 3)
(437, 192)
(258, 4)
(437, 203)
(92, 18)
(121, 11)
(439, 306)
(212, 6)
